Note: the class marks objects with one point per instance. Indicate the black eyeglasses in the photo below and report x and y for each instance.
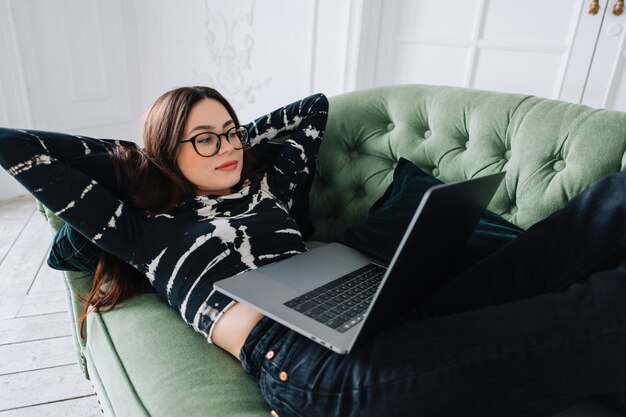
(208, 143)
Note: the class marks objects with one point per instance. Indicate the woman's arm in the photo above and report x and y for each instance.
(295, 163)
(46, 164)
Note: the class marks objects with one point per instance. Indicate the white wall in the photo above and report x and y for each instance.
(93, 68)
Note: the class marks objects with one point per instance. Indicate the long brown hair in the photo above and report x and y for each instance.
(149, 179)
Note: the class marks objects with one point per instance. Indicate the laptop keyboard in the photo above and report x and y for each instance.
(342, 303)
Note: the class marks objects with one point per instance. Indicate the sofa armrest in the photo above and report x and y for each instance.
(75, 283)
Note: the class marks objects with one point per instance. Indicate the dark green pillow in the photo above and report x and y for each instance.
(72, 251)
(380, 233)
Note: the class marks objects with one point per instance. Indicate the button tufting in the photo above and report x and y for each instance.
(467, 144)
(558, 165)
(390, 127)
(435, 172)
(354, 154)
(395, 164)
(427, 134)
(507, 155)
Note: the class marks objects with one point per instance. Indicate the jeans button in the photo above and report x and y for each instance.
(283, 376)
(274, 413)
(270, 354)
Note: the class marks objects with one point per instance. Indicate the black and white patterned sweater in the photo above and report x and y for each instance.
(204, 238)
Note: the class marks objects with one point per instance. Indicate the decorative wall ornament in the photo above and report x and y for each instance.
(230, 41)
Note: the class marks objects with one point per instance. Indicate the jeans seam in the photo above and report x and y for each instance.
(270, 396)
(296, 344)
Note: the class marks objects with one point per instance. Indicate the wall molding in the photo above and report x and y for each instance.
(314, 41)
(15, 89)
(13, 92)
(354, 51)
(368, 41)
(232, 54)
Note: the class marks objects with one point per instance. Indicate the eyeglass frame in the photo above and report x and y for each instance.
(244, 143)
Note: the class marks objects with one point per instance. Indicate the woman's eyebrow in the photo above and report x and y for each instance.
(209, 127)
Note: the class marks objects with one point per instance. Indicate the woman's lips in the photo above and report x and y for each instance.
(227, 166)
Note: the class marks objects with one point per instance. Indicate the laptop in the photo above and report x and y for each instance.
(340, 297)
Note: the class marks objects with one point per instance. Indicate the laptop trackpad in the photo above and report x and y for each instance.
(303, 272)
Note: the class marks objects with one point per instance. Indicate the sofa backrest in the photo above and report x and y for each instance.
(551, 150)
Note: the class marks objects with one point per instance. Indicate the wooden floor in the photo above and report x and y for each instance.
(39, 374)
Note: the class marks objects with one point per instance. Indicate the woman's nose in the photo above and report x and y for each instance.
(226, 147)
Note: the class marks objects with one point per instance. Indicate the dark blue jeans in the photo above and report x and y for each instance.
(527, 331)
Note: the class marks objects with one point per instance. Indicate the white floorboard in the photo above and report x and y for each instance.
(42, 386)
(39, 376)
(47, 280)
(43, 303)
(13, 217)
(38, 354)
(27, 329)
(84, 407)
(21, 265)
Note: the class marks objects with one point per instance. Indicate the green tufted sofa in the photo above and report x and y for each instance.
(144, 361)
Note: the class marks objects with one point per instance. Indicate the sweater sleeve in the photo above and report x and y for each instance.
(43, 163)
(295, 164)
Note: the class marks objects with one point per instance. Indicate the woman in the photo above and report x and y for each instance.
(511, 336)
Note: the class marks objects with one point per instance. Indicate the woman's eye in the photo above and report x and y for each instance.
(204, 139)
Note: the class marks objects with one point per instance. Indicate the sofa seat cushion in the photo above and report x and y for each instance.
(159, 367)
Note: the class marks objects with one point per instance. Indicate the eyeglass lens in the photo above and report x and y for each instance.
(209, 143)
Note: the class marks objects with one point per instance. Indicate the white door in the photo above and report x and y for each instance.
(500, 45)
(73, 59)
(80, 47)
(606, 82)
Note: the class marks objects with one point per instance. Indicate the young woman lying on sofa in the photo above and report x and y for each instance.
(525, 331)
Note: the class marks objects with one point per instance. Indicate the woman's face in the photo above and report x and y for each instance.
(216, 174)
